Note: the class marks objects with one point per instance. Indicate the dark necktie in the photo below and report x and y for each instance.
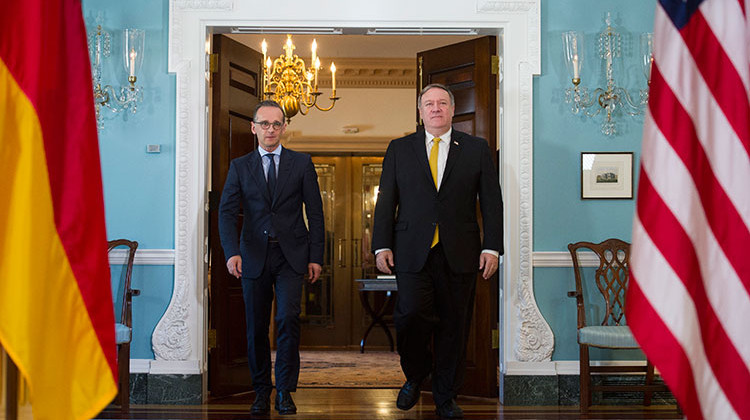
(271, 174)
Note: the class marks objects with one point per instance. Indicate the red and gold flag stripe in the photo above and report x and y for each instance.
(56, 316)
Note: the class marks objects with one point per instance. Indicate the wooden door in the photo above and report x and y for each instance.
(235, 93)
(466, 69)
(326, 313)
(332, 315)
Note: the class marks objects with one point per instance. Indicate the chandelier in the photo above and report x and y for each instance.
(106, 98)
(294, 86)
(612, 97)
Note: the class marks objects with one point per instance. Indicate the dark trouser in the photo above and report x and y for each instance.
(258, 294)
(436, 304)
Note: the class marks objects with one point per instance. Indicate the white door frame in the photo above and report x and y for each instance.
(179, 341)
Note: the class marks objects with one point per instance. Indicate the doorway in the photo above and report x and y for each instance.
(332, 316)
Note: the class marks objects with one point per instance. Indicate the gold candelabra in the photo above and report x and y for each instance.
(288, 81)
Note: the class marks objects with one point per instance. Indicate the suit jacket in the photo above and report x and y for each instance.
(245, 189)
(409, 206)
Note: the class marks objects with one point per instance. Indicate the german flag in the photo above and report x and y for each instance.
(56, 315)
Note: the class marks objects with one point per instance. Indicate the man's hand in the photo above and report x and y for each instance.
(313, 272)
(488, 264)
(234, 265)
(384, 261)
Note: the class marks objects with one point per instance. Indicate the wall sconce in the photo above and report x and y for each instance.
(613, 96)
(106, 99)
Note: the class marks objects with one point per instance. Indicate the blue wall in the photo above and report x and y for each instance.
(560, 215)
(139, 187)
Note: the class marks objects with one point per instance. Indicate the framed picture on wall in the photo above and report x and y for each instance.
(606, 175)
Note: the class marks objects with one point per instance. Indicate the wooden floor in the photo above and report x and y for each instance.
(338, 403)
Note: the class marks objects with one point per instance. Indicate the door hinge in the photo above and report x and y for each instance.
(495, 339)
(213, 62)
(211, 339)
(495, 64)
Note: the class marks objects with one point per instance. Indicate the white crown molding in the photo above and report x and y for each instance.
(143, 257)
(389, 73)
(335, 144)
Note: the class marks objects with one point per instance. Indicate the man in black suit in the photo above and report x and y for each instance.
(426, 231)
(275, 249)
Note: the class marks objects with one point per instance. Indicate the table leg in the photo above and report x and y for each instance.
(377, 318)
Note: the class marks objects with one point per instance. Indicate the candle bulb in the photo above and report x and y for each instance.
(333, 80)
(264, 48)
(132, 62)
(317, 66)
(289, 46)
(314, 52)
(575, 66)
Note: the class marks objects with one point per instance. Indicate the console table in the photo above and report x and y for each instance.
(387, 286)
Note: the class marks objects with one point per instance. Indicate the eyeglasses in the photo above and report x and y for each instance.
(265, 125)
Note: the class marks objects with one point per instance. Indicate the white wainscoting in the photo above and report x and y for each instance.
(143, 256)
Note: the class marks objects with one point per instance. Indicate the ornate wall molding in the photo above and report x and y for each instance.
(530, 9)
(535, 340)
(172, 335)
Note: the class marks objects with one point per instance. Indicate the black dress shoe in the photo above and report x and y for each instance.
(285, 403)
(409, 395)
(262, 405)
(450, 410)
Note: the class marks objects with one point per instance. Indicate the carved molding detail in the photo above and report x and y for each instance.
(171, 338)
(531, 9)
(336, 144)
(383, 73)
(535, 339)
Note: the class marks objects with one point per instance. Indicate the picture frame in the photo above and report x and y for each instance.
(606, 175)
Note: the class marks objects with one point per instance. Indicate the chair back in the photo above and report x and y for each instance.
(611, 278)
(124, 294)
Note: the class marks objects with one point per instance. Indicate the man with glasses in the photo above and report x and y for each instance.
(274, 250)
(426, 230)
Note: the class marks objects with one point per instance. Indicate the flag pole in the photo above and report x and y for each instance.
(11, 387)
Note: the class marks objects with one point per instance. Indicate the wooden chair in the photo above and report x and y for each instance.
(124, 324)
(611, 278)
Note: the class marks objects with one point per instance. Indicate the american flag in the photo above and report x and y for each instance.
(688, 301)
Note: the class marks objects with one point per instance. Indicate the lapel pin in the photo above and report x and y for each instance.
(455, 142)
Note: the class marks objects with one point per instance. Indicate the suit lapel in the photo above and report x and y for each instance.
(256, 172)
(420, 151)
(454, 152)
(285, 168)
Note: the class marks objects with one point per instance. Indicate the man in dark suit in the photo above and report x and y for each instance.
(274, 251)
(426, 231)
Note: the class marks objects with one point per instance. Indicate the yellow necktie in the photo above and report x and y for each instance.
(434, 169)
